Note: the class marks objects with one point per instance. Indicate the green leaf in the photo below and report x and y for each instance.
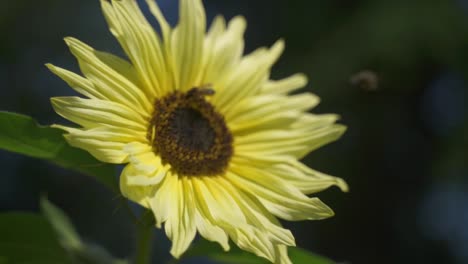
(299, 255)
(69, 239)
(66, 233)
(28, 238)
(212, 251)
(21, 134)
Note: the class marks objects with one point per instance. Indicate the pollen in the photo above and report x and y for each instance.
(188, 134)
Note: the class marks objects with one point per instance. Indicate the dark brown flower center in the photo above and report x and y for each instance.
(188, 133)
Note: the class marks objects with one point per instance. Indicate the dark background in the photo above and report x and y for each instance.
(404, 155)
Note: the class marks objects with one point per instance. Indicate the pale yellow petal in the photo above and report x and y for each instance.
(311, 121)
(173, 204)
(105, 151)
(280, 200)
(257, 175)
(108, 133)
(264, 112)
(164, 200)
(156, 11)
(166, 31)
(147, 162)
(282, 255)
(259, 216)
(270, 103)
(214, 203)
(187, 42)
(180, 226)
(256, 242)
(270, 121)
(210, 221)
(314, 210)
(136, 148)
(138, 194)
(210, 231)
(145, 180)
(286, 85)
(220, 204)
(219, 208)
(293, 143)
(110, 75)
(105, 143)
(305, 179)
(295, 173)
(92, 113)
(141, 43)
(77, 82)
(149, 168)
(251, 73)
(105, 134)
(223, 51)
(217, 28)
(121, 66)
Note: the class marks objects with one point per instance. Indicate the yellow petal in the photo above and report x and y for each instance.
(286, 85)
(221, 206)
(156, 11)
(105, 151)
(305, 179)
(152, 179)
(75, 81)
(164, 199)
(294, 143)
(180, 226)
(111, 76)
(256, 242)
(149, 168)
(282, 255)
(280, 201)
(268, 104)
(187, 42)
(92, 113)
(217, 28)
(223, 51)
(138, 194)
(105, 143)
(252, 72)
(259, 216)
(108, 133)
(210, 231)
(264, 112)
(141, 44)
(214, 203)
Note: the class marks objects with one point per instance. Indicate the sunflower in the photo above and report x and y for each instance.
(210, 143)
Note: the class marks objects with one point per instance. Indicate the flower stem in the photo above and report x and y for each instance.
(144, 238)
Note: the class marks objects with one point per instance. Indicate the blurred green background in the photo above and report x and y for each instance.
(396, 71)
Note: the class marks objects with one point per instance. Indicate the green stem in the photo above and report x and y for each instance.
(144, 238)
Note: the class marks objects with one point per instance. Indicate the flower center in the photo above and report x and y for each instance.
(189, 134)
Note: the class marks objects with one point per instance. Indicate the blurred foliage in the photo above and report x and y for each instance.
(49, 239)
(66, 235)
(20, 134)
(203, 249)
(28, 238)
